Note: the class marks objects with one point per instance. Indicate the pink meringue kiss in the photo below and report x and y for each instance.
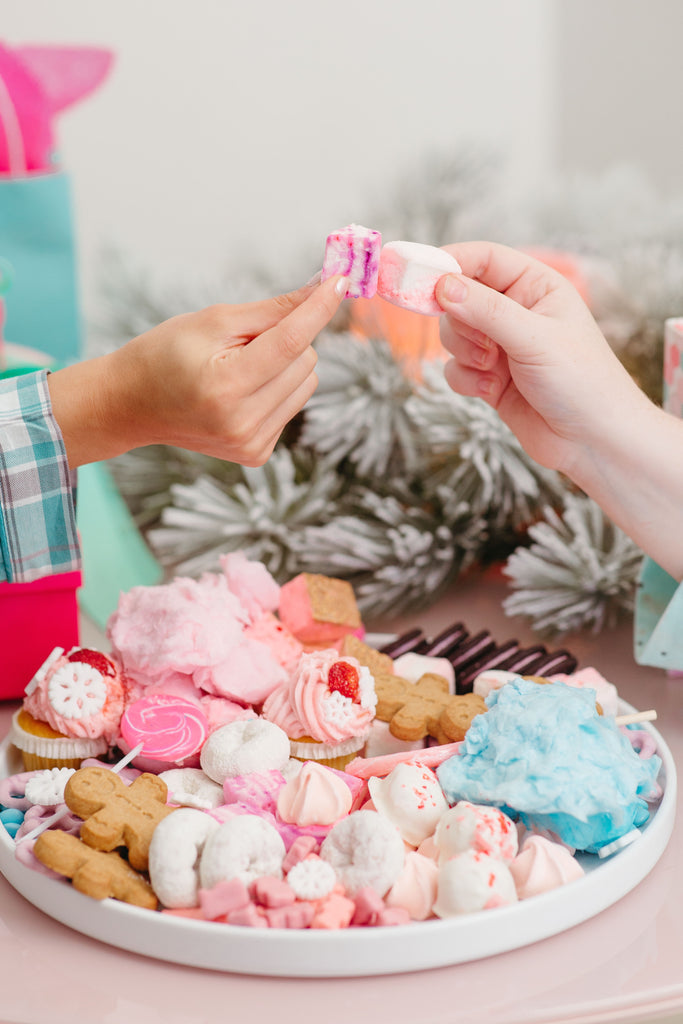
(315, 796)
(542, 865)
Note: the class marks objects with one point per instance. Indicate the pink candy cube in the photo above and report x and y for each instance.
(354, 252)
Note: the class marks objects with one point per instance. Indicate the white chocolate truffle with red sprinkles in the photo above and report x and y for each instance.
(471, 882)
(411, 799)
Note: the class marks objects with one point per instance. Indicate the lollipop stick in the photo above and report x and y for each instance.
(637, 716)
(64, 810)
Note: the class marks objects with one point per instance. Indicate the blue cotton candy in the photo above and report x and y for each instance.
(545, 754)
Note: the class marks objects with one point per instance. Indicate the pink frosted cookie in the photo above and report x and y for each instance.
(354, 252)
(171, 730)
(408, 272)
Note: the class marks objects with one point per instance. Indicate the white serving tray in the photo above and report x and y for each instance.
(352, 952)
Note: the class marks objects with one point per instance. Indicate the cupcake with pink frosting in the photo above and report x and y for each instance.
(71, 710)
(326, 707)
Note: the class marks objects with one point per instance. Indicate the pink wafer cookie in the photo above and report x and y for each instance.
(354, 252)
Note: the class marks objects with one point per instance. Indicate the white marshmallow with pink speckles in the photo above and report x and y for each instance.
(408, 273)
(354, 252)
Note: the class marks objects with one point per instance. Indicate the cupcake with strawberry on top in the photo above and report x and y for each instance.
(326, 707)
(71, 710)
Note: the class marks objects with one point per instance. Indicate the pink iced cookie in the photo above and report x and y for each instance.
(408, 272)
(354, 251)
(171, 730)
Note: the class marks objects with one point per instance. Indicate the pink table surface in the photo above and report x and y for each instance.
(625, 964)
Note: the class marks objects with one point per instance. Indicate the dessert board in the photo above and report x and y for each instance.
(351, 952)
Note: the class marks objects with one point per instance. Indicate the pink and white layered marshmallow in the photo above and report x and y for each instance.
(408, 273)
(354, 252)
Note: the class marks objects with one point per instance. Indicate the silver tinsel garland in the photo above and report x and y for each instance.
(399, 485)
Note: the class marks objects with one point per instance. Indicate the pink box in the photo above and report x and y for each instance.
(34, 618)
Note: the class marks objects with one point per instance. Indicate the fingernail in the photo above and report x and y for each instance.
(316, 279)
(341, 286)
(454, 289)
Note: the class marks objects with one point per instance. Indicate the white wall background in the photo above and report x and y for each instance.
(255, 127)
(248, 129)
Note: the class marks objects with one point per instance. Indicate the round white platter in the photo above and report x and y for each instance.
(351, 952)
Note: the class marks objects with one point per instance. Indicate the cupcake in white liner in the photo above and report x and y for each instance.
(326, 708)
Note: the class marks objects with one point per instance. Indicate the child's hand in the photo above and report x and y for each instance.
(523, 340)
(223, 381)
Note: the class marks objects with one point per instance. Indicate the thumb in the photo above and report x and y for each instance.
(502, 319)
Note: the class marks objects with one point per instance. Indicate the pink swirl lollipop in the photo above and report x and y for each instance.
(170, 729)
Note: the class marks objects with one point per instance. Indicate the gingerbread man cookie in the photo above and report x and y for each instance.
(115, 814)
(93, 872)
(425, 708)
(456, 717)
(411, 709)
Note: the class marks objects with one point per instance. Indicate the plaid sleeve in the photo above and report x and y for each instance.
(37, 490)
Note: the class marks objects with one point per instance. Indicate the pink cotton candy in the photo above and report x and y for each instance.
(220, 711)
(249, 675)
(281, 643)
(178, 627)
(251, 583)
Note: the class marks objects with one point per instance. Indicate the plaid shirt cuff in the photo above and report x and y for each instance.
(38, 534)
